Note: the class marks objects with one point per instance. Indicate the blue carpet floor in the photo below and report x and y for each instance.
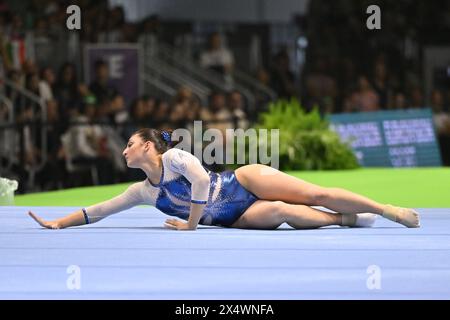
(131, 256)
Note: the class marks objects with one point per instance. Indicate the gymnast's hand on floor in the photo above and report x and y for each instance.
(177, 225)
(43, 223)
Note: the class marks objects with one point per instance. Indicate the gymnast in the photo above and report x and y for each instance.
(253, 196)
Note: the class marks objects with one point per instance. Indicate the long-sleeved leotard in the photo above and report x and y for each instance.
(183, 181)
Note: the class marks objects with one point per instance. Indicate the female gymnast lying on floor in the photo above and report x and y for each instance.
(251, 197)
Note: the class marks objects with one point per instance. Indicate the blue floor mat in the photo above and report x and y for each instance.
(131, 256)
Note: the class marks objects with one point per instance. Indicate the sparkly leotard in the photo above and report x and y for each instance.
(184, 181)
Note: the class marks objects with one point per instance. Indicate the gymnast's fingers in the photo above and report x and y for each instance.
(169, 225)
(37, 219)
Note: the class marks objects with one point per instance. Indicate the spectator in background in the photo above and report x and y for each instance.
(400, 102)
(141, 115)
(138, 116)
(236, 104)
(440, 116)
(161, 115)
(150, 35)
(416, 98)
(261, 99)
(32, 83)
(222, 116)
(441, 120)
(381, 84)
(149, 106)
(46, 84)
(19, 44)
(100, 87)
(52, 175)
(88, 143)
(192, 114)
(206, 114)
(42, 42)
(67, 90)
(183, 101)
(29, 67)
(16, 77)
(117, 112)
(5, 61)
(282, 78)
(321, 88)
(364, 99)
(114, 23)
(263, 77)
(177, 116)
(128, 33)
(218, 58)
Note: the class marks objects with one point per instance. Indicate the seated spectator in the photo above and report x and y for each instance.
(183, 101)
(88, 143)
(263, 77)
(440, 116)
(218, 58)
(321, 88)
(381, 84)
(118, 112)
(416, 98)
(101, 87)
(400, 101)
(236, 104)
(282, 78)
(149, 106)
(441, 120)
(53, 175)
(222, 116)
(161, 115)
(149, 37)
(67, 90)
(46, 84)
(363, 99)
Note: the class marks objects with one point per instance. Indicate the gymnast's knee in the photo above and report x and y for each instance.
(280, 211)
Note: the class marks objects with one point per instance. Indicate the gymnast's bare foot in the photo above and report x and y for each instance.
(405, 216)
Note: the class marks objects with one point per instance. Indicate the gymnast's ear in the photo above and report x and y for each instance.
(147, 145)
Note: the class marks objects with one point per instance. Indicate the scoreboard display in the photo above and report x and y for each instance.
(400, 138)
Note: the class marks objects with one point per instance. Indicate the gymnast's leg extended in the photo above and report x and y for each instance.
(264, 214)
(270, 184)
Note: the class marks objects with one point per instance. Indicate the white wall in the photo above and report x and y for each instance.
(274, 11)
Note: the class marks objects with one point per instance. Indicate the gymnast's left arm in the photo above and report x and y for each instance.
(190, 167)
(130, 198)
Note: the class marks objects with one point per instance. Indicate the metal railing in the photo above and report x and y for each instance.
(23, 96)
(163, 90)
(241, 81)
(173, 77)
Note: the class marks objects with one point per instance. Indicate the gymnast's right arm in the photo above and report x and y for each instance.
(130, 198)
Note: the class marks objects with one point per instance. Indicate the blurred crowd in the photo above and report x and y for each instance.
(347, 69)
(350, 68)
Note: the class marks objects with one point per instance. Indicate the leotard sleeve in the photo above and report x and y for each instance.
(133, 196)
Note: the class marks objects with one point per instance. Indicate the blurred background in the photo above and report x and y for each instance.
(69, 99)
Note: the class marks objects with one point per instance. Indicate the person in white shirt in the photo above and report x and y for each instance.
(217, 57)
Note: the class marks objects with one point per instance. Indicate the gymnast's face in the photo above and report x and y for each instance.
(137, 151)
